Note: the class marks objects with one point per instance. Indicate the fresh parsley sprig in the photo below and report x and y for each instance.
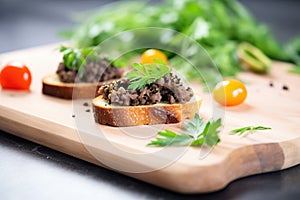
(197, 133)
(74, 58)
(250, 129)
(143, 74)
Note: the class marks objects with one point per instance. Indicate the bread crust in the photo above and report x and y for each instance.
(120, 116)
(54, 87)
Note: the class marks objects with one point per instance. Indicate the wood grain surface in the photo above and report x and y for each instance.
(68, 126)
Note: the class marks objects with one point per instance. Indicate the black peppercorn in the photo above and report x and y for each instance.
(284, 87)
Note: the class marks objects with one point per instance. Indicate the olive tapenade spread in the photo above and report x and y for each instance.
(168, 89)
(94, 72)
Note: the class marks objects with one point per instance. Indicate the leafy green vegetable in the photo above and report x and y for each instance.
(143, 74)
(293, 49)
(251, 129)
(197, 133)
(218, 25)
(74, 58)
(225, 58)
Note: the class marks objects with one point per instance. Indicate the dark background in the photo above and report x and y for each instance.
(31, 171)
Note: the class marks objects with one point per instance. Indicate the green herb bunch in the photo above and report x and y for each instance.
(220, 26)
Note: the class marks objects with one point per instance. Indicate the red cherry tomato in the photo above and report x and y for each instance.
(152, 55)
(230, 92)
(15, 76)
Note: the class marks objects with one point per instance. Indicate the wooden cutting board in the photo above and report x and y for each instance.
(68, 126)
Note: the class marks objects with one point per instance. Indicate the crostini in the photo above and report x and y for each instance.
(80, 74)
(149, 94)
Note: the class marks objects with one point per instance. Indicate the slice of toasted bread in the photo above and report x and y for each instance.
(144, 115)
(54, 87)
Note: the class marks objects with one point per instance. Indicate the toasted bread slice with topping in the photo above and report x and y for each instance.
(160, 113)
(54, 87)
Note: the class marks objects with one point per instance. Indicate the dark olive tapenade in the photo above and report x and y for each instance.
(94, 72)
(168, 89)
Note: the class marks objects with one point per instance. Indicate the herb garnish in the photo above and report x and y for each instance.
(197, 133)
(144, 74)
(251, 129)
(76, 59)
(73, 57)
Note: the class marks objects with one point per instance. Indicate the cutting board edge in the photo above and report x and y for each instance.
(189, 181)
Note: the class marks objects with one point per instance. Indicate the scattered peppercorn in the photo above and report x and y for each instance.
(87, 110)
(85, 104)
(284, 87)
(271, 84)
(73, 116)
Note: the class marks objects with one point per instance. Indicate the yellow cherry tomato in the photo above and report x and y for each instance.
(152, 55)
(230, 92)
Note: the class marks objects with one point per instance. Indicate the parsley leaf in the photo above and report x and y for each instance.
(170, 138)
(211, 132)
(75, 58)
(251, 129)
(195, 128)
(197, 133)
(143, 74)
